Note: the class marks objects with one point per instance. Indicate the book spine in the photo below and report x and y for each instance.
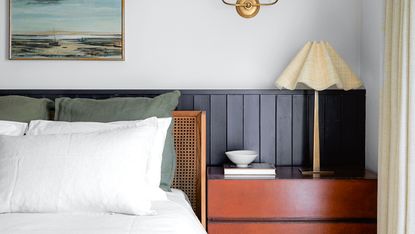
(250, 172)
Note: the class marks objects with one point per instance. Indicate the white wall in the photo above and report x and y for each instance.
(373, 12)
(198, 44)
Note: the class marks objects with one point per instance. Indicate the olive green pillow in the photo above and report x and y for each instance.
(124, 109)
(24, 109)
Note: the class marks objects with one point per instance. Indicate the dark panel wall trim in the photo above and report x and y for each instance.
(276, 123)
(126, 92)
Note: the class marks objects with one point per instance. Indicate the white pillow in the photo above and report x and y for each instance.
(10, 128)
(83, 172)
(153, 175)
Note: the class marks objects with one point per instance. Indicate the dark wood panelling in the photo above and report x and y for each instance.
(277, 123)
(218, 128)
(186, 103)
(353, 121)
(251, 123)
(267, 128)
(299, 131)
(322, 115)
(332, 129)
(235, 123)
(284, 130)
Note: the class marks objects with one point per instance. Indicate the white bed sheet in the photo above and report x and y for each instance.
(173, 216)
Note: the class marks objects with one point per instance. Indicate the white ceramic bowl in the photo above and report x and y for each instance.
(242, 158)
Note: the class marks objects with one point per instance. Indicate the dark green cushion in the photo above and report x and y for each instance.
(24, 109)
(124, 109)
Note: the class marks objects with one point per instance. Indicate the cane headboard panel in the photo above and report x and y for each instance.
(190, 144)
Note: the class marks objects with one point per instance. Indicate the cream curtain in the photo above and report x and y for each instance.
(396, 209)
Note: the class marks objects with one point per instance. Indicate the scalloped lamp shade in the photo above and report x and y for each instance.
(319, 67)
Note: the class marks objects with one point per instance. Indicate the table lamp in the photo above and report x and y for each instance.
(319, 67)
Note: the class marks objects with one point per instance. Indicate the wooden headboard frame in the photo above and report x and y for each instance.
(190, 143)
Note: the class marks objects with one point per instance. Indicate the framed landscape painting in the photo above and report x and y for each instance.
(66, 29)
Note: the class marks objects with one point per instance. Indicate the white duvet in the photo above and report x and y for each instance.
(173, 216)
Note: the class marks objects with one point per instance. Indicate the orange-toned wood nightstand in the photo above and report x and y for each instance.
(342, 203)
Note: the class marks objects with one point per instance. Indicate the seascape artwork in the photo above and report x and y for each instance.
(67, 29)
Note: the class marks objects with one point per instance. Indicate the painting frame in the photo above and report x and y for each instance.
(10, 41)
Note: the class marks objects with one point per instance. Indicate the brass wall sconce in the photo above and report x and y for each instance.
(248, 8)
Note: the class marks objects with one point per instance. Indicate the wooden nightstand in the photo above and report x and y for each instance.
(342, 203)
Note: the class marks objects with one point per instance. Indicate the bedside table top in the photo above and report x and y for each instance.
(216, 173)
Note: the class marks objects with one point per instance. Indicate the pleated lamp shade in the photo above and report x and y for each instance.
(319, 67)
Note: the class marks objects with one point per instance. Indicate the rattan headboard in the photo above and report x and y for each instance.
(190, 144)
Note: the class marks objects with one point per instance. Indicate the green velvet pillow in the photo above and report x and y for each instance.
(124, 109)
(24, 109)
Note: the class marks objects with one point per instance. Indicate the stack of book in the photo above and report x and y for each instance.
(253, 171)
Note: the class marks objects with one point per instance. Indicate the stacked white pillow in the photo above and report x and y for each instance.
(153, 174)
(10, 128)
(103, 170)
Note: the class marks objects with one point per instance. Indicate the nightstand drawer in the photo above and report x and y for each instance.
(295, 199)
(291, 228)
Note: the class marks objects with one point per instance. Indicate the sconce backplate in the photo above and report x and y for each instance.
(247, 8)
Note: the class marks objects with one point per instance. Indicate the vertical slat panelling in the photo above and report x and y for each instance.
(284, 130)
(361, 131)
(299, 130)
(186, 102)
(332, 130)
(285, 127)
(352, 132)
(218, 129)
(322, 123)
(251, 123)
(267, 131)
(202, 102)
(235, 122)
(349, 132)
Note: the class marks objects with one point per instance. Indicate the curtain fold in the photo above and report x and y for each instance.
(396, 199)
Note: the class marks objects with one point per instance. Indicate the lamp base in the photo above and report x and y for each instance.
(305, 171)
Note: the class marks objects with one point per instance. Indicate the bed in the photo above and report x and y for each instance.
(183, 212)
(173, 216)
